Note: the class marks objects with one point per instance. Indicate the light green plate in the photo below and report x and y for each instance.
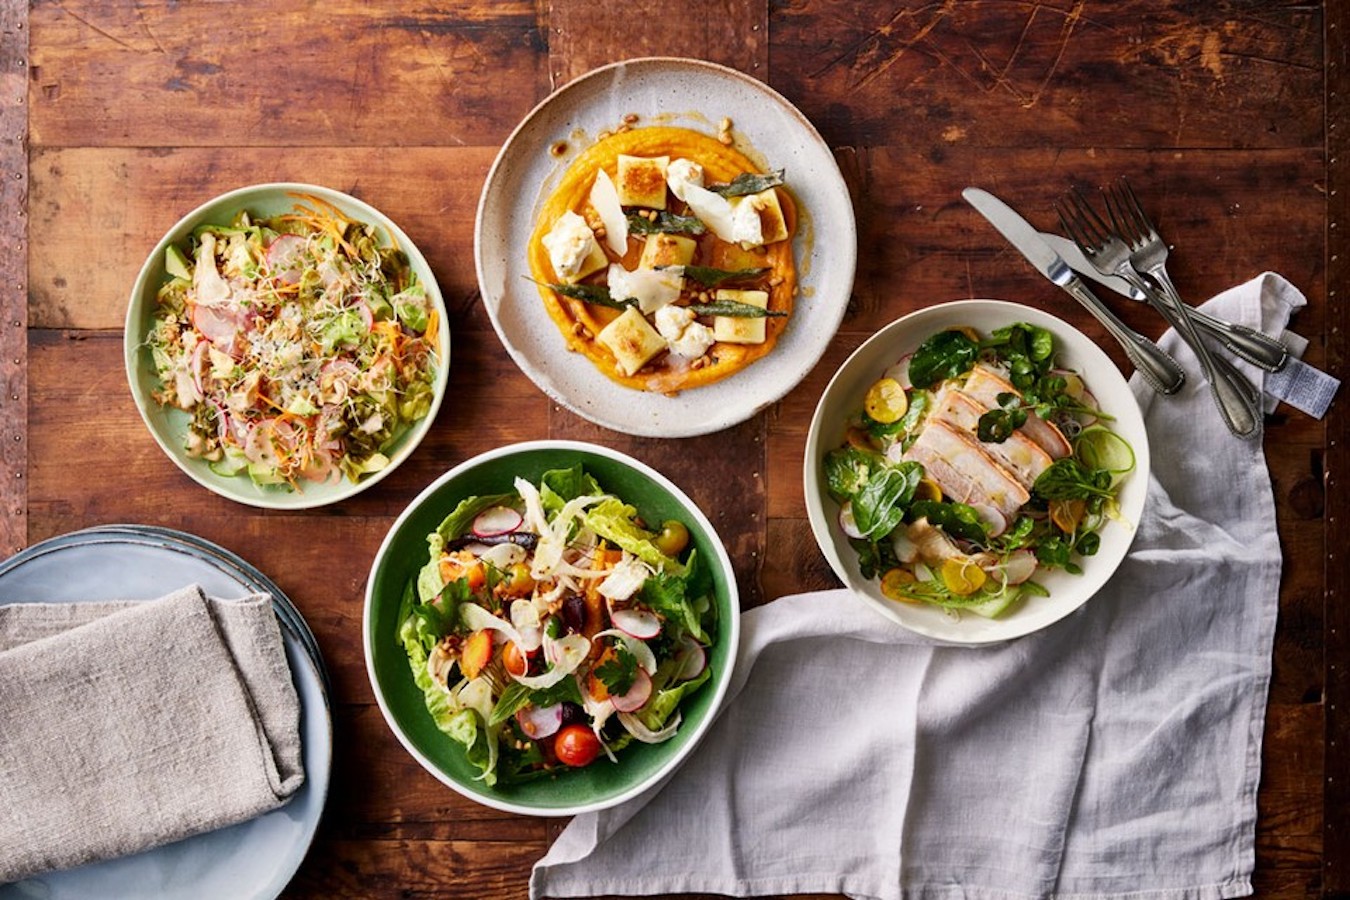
(168, 426)
(404, 552)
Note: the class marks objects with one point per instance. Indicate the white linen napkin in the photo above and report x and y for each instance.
(126, 725)
(1114, 754)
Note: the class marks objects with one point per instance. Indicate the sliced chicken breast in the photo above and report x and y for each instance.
(965, 471)
(1019, 454)
(985, 384)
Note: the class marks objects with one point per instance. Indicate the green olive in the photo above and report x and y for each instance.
(674, 537)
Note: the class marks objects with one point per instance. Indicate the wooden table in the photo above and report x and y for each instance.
(117, 117)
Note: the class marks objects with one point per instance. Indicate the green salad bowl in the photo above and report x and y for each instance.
(403, 553)
(169, 425)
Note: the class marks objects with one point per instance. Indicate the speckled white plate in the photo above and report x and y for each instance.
(690, 94)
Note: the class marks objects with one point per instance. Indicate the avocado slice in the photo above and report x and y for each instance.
(176, 264)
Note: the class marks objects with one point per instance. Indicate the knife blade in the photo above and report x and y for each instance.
(1160, 371)
(1079, 263)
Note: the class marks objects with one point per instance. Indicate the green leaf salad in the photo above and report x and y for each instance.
(301, 346)
(550, 626)
(975, 463)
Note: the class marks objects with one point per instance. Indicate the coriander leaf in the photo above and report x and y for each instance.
(619, 671)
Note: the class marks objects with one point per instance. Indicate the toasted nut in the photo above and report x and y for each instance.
(630, 118)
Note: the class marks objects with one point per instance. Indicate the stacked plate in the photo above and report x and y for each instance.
(254, 859)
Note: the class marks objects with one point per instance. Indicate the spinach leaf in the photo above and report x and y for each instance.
(957, 519)
(847, 469)
(997, 425)
(880, 505)
(946, 354)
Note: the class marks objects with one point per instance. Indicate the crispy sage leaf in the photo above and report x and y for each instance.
(734, 310)
(710, 277)
(665, 223)
(748, 183)
(590, 293)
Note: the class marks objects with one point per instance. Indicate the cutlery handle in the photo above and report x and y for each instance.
(1236, 397)
(1160, 371)
(1246, 343)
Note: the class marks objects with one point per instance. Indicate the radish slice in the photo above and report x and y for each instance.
(847, 522)
(900, 372)
(539, 722)
(692, 658)
(996, 521)
(638, 623)
(1020, 566)
(496, 520)
(217, 325)
(637, 695)
(283, 255)
(641, 652)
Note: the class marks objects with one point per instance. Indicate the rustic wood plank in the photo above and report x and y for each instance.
(14, 247)
(730, 32)
(98, 212)
(252, 74)
(1336, 863)
(1026, 75)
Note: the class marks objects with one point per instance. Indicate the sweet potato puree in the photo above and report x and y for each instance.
(580, 322)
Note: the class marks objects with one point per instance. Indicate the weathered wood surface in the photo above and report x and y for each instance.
(138, 112)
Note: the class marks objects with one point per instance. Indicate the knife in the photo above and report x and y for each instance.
(1255, 347)
(1160, 371)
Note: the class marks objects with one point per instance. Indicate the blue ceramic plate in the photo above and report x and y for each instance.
(249, 861)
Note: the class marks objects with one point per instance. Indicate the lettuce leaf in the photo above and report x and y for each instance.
(615, 521)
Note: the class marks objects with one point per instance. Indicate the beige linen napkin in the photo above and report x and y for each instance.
(127, 725)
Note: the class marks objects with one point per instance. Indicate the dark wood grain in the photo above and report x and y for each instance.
(1229, 118)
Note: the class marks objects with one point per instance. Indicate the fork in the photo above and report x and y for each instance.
(1106, 248)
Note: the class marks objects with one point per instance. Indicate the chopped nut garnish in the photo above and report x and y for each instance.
(630, 118)
(724, 125)
(558, 148)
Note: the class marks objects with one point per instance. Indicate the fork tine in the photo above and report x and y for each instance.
(1082, 223)
(1123, 216)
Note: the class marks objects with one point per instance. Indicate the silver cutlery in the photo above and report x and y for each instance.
(1255, 347)
(1106, 248)
(1157, 368)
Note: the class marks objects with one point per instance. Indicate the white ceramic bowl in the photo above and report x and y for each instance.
(843, 399)
(690, 94)
(402, 555)
(168, 426)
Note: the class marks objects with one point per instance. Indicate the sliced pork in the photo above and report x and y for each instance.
(985, 384)
(1019, 454)
(965, 471)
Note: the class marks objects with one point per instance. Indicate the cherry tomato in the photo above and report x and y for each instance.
(886, 401)
(514, 661)
(576, 745)
(673, 538)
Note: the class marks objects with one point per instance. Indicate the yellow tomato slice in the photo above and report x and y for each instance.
(894, 582)
(962, 576)
(886, 401)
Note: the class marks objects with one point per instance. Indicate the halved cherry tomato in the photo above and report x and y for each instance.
(576, 746)
(514, 661)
